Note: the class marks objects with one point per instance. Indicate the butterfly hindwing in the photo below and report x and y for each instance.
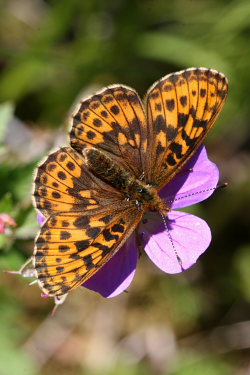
(71, 247)
(181, 109)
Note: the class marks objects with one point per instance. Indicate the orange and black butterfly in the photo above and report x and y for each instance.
(94, 193)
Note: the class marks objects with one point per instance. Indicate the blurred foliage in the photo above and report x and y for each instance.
(52, 52)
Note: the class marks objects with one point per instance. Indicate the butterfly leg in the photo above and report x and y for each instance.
(141, 177)
(139, 243)
(138, 205)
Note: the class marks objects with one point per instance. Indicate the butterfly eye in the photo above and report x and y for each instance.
(139, 190)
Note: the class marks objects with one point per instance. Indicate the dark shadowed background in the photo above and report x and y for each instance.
(197, 322)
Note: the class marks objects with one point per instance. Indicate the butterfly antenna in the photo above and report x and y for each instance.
(225, 184)
(171, 240)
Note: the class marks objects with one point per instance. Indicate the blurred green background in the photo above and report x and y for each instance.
(197, 322)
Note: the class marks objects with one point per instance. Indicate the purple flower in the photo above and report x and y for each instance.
(173, 249)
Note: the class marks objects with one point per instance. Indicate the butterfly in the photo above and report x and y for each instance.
(94, 193)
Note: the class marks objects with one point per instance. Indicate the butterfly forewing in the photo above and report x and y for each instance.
(181, 109)
(114, 122)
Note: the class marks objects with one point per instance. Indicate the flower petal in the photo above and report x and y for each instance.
(190, 187)
(40, 219)
(117, 274)
(187, 235)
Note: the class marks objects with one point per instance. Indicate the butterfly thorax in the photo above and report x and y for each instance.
(144, 196)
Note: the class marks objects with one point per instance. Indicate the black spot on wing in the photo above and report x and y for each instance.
(70, 165)
(64, 235)
(203, 92)
(158, 107)
(60, 268)
(171, 132)
(118, 228)
(102, 247)
(159, 149)
(171, 160)
(189, 141)
(65, 223)
(61, 175)
(177, 149)
(63, 248)
(106, 219)
(75, 256)
(160, 124)
(115, 109)
(182, 119)
(93, 232)
(95, 105)
(51, 167)
(170, 104)
(167, 88)
(63, 157)
(97, 122)
(81, 222)
(200, 123)
(91, 134)
(104, 114)
(108, 236)
(82, 245)
(88, 261)
(56, 195)
(183, 100)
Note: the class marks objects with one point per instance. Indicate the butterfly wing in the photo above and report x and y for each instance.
(114, 122)
(181, 109)
(87, 222)
(64, 183)
(72, 247)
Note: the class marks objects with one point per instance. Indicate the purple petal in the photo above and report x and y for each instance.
(187, 187)
(117, 274)
(40, 219)
(190, 237)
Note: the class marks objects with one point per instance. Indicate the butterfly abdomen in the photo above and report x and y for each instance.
(106, 169)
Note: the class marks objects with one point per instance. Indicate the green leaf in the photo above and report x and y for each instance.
(6, 204)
